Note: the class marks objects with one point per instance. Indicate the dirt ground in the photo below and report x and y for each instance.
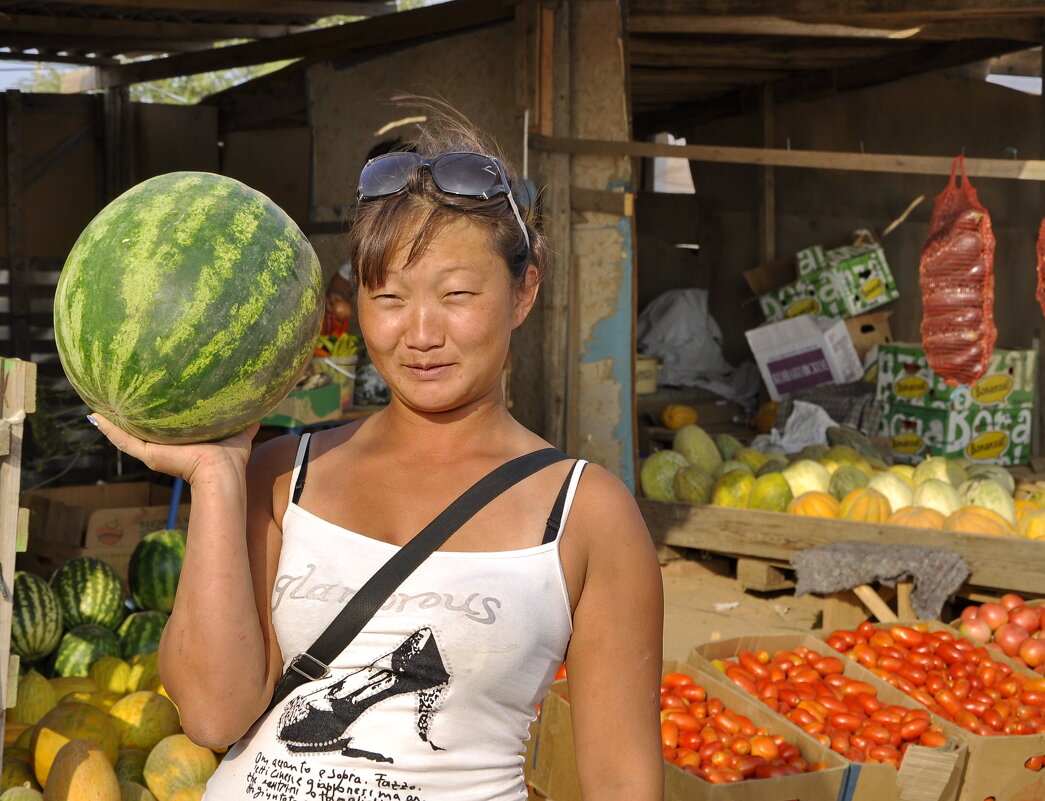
(703, 601)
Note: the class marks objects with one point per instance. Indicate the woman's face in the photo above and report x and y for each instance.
(438, 329)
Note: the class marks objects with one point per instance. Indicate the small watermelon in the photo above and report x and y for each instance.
(155, 567)
(140, 632)
(36, 618)
(81, 646)
(89, 591)
(188, 308)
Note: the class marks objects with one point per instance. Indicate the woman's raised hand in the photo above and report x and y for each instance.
(181, 461)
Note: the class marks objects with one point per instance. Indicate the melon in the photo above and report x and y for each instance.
(692, 485)
(995, 472)
(987, 493)
(730, 466)
(937, 494)
(110, 673)
(22, 794)
(36, 618)
(733, 489)
(698, 447)
(81, 646)
(155, 568)
(845, 479)
(188, 308)
(940, 468)
(89, 591)
(134, 791)
(140, 632)
(175, 763)
(66, 722)
(36, 698)
(657, 473)
(130, 765)
(144, 718)
(805, 475)
(897, 491)
(728, 446)
(81, 772)
(770, 493)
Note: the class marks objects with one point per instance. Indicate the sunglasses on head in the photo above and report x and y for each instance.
(459, 173)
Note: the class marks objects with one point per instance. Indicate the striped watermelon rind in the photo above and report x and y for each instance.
(80, 646)
(188, 308)
(89, 591)
(140, 632)
(155, 567)
(36, 618)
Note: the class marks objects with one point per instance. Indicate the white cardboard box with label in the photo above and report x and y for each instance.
(805, 351)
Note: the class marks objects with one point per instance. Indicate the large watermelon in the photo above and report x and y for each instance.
(80, 646)
(155, 567)
(188, 308)
(140, 632)
(89, 591)
(36, 618)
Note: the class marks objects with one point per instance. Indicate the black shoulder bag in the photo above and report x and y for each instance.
(311, 664)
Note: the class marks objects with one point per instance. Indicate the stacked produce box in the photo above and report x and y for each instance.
(988, 422)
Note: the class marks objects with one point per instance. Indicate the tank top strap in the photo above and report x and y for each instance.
(563, 503)
(297, 478)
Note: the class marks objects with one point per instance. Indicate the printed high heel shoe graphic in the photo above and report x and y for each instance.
(318, 721)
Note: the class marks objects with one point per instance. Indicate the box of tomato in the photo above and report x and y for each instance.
(554, 772)
(1006, 740)
(896, 748)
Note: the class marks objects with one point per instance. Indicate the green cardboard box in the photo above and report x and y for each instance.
(904, 378)
(862, 277)
(304, 406)
(985, 435)
(810, 260)
(815, 294)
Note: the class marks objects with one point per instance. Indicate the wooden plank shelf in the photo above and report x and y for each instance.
(1003, 563)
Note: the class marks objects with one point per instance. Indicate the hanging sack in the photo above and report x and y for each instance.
(956, 274)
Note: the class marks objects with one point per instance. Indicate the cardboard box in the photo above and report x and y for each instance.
(862, 277)
(305, 406)
(904, 377)
(929, 774)
(988, 435)
(994, 768)
(810, 260)
(101, 520)
(554, 773)
(868, 330)
(803, 352)
(815, 294)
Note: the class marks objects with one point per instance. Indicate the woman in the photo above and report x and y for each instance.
(433, 698)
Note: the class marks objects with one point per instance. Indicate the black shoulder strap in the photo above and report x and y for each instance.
(312, 664)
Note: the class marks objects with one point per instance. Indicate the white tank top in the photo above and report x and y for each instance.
(433, 699)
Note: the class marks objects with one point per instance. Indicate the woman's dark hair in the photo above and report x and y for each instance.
(421, 210)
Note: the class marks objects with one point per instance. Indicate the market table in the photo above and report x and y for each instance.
(998, 563)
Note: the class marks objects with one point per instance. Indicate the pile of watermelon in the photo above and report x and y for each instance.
(90, 675)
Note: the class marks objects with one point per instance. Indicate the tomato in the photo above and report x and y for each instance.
(749, 764)
(691, 692)
(743, 680)
(740, 746)
(838, 643)
(880, 639)
(914, 728)
(669, 734)
(876, 732)
(890, 664)
(685, 756)
(855, 687)
(906, 635)
(676, 679)
(752, 665)
(671, 701)
(932, 739)
(1035, 763)
(764, 746)
(828, 665)
(844, 720)
(865, 654)
(725, 722)
(684, 720)
(912, 673)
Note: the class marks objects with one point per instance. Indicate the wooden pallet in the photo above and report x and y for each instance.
(1000, 563)
(18, 400)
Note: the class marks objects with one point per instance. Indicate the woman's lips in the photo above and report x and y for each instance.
(428, 372)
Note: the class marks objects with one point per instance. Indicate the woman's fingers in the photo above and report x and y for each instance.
(123, 441)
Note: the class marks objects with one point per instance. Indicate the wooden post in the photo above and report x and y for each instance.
(767, 216)
(119, 142)
(18, 399)
(18, 265)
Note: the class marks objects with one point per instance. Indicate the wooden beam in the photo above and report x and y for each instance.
(48, 44)
(311, 8)
(771, 54)
(51, 58)
(146, 30)
(1023, 30)
(839, 9)
(1025, 170)
(315, 45)
(804, 85)
(619, 203)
